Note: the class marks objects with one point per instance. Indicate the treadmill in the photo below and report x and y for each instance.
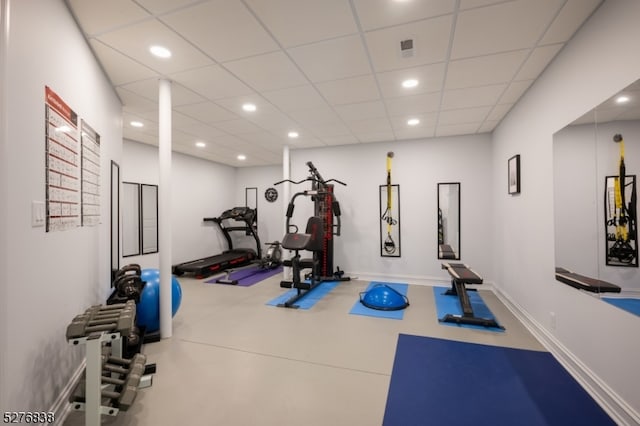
(232, 258)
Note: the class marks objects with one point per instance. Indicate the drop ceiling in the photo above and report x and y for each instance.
(330, 70)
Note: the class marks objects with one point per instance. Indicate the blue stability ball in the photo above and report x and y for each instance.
(148, 309)
(384, 298)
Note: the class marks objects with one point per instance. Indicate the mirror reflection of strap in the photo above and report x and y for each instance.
(624, 217)
(389, 244)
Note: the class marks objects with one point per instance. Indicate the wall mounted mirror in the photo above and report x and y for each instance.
(115, 218)
(449, 220)
(130, 219)
(149, 218)
(586, 157)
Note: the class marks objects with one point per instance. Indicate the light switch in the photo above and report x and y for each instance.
(38, 214)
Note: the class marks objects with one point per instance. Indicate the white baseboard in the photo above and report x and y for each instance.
(61, 406)
(621, 412)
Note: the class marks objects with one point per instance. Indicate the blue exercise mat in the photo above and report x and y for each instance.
(451, 305)
(360, 309)
(310, 297)
(450, 383)
(628, 304)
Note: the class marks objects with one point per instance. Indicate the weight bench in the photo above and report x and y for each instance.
(461, 275)
(446, 252)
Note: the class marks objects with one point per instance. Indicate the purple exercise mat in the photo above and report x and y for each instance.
(249, 276)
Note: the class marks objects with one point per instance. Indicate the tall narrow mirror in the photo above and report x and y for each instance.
(149, 218)
(130, 219)
(115, 218)
(449, 220)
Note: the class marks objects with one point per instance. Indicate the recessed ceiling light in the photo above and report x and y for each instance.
(622, 99)
(249, 107)
(160, 51)
(242, 157)
(412, 82)
(136, 124)
(201, 144)
(293, 135)
(413, 121)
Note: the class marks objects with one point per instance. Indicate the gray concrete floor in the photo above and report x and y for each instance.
(233, 360)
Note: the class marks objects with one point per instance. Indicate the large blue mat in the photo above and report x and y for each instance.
(449, 383)
(360, 309)
(628, 304)
(451, 305)
(309, 299)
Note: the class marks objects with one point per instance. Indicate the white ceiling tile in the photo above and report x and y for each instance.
(237, 127)
(384, 13)
(328, 130)
(415, 132)
(484, 70)
(234, 104)
(149, 89)
(463, 116)
(472, 4)
(265, 139)
(271, 71)
(502, 27)
(206, 112)
(118, 67)
(488, 126)
(570, 18)
(472, 97)
(296, 22)
(370, 126)
(275, 122)
(373, 137)
(399, 123)
(515, 91)
(300, 97)
(457, 129)
(430, 79)
(139, 137)
(204, 132)
(416, 104)
(340, 140)
(498, 112)
(135, 103)
(134, 41)
(537, 61)
(430, 44)
(350, 90)
(361, 111)
(96, 16)
(213, 82)
(309, 117)
(223, 29)
(333, 59)
(163, 6)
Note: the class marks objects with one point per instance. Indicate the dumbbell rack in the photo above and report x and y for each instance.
(101, 329)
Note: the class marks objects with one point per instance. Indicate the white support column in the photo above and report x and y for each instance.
(164, 207)
(286, 196)
(4, 223)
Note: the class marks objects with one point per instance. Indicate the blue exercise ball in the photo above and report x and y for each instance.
(148, 309)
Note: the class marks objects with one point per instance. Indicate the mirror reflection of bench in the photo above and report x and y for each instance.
(461, 275)
(445, 251)
(582, 282)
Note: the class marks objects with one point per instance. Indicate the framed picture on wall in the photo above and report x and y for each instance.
(513, 167)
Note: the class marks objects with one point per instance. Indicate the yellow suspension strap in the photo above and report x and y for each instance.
(389, 244)
(619, 196)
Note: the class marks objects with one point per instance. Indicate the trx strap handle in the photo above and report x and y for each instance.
(389, 244)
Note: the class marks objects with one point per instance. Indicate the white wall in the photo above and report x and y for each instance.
(601, 59)
(48, 278)
(417, 167)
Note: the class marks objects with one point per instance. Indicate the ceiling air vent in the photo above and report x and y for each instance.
(406, 48)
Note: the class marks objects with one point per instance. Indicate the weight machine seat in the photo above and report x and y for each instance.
(582, 282)
(296, 241)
